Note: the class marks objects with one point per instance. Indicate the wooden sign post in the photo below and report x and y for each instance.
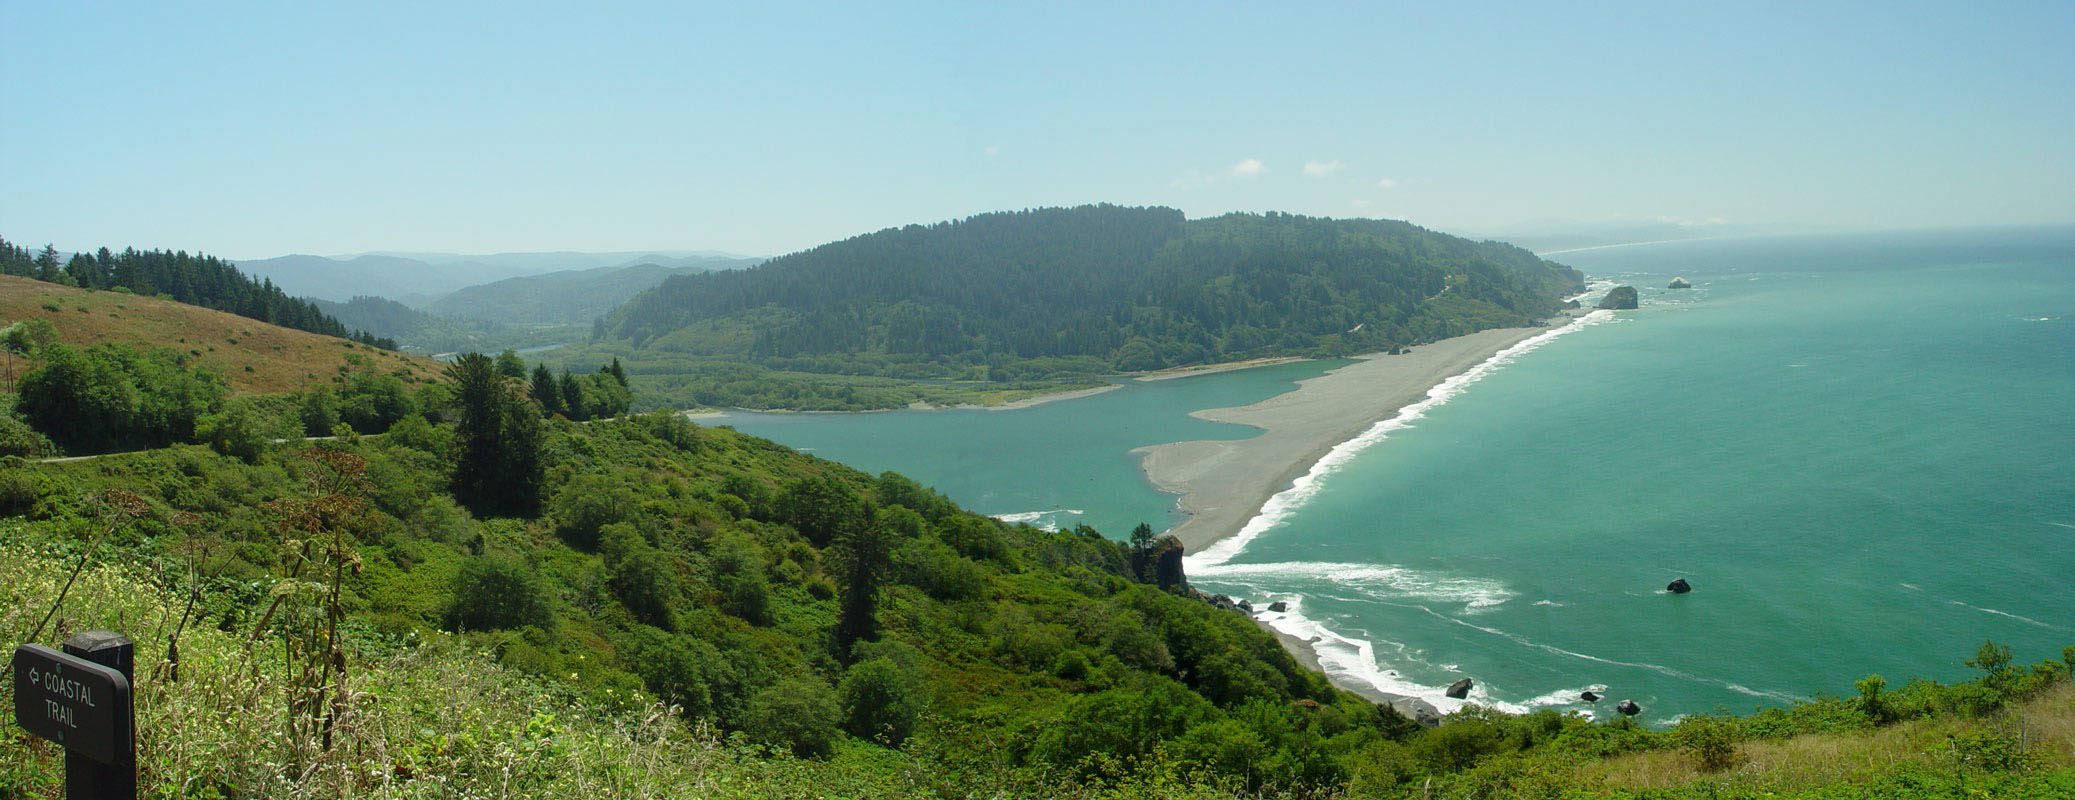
(80, 698)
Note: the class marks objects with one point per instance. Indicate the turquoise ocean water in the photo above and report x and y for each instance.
(1860, 449)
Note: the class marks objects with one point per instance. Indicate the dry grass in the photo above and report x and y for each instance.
(280, 359)
(2045, 724)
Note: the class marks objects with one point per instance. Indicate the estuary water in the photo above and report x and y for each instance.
(1858, 449)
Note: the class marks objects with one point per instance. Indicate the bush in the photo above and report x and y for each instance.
(639, 575)
(586, 505)
(1456, 745)
(1711, 741)
(881, 701)
(797, 714)
(18, 439)
(236, 431)
(497, 591)
(319, 410)
(679, 670)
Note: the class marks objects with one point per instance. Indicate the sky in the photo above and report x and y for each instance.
(261, 129)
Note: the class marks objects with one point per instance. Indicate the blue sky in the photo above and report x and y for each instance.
(254, 130)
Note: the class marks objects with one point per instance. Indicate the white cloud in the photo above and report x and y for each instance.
(1249, 168)
(1387, 183)
(992, 149)
(1320, 169)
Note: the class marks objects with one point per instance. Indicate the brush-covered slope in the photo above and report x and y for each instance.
(1094, 288)
(253, 357)
(668, 628)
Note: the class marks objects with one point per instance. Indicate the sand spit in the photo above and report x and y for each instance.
(1225, 483)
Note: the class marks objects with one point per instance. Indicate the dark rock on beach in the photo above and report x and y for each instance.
(1460, 689)
(1278, 606)
(1678, 587)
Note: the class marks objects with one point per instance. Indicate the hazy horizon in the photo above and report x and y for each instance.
(270, 130)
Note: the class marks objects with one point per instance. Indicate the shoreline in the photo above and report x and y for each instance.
(1224, 484)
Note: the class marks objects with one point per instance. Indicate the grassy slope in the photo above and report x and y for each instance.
(279, 359)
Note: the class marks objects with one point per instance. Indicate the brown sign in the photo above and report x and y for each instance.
(74, 702)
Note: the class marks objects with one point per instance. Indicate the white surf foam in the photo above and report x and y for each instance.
(1371, 581)
(1353, 659)
(1306, 486)
(1042, 520)
(2026, 620)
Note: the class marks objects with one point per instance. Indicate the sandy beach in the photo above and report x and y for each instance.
(1225, 483)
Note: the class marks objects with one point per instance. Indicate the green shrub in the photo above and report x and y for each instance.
(1710, 741)
(798, 714)
(496, 591)
(639, 575)
(236, 431)
(18, 439)
(881, 700)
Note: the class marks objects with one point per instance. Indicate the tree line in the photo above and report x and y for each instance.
(197, 280)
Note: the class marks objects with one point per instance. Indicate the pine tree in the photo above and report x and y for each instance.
(501, 466)
(546, 392)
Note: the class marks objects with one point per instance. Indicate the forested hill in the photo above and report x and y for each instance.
(1095, 288)
(197, 280)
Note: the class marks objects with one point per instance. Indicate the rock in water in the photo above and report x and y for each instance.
(1590, 697)
(1680, 283)
(1279, 606)
(1618, 298)
(1460, 689)
(1678, 587)
(1628, 708)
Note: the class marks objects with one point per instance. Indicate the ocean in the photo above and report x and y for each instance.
(1858, 449)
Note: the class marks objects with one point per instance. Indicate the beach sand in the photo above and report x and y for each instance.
(1225, 483)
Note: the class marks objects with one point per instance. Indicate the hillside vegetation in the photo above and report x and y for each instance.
(1085, 291)
(199, 280)
(694, 612)
(251, 357)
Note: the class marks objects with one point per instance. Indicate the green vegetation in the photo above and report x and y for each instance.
(1074, 292)
(198, 280)
(694, 612)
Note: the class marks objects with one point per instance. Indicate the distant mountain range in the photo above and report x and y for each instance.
(417, 279)
(570, 297)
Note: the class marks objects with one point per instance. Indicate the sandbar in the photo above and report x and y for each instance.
(1225, 483)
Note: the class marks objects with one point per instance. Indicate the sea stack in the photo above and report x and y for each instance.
(1679, 586)
(1589, 696)
(1460, 689)
(1628, 708)
(1680, 283)
(1619, 298)
(1279, 606)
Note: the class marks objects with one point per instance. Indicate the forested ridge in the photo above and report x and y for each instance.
(1082, 290)
(198, 280)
